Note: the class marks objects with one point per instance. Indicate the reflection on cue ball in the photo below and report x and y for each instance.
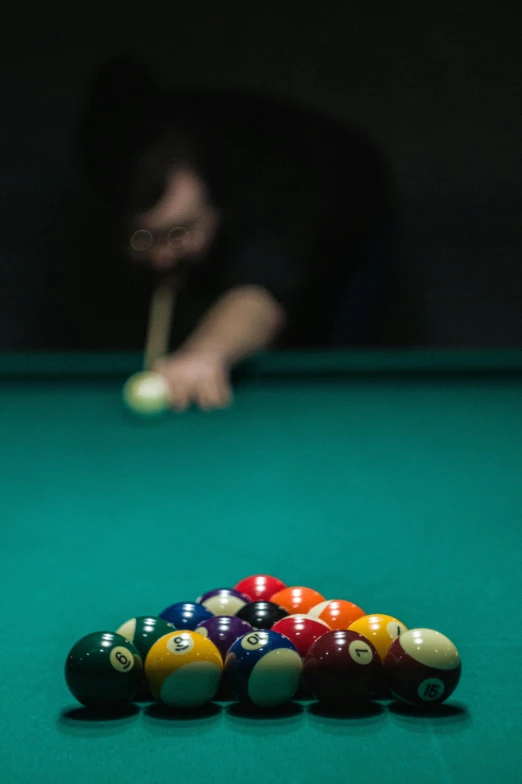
(146, 393)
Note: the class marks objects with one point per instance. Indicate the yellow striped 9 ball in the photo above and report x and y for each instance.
(184, 669)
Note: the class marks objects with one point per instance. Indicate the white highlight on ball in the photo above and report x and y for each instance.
(300, 616)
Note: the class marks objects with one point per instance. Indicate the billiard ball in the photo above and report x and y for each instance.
(147, 394)
(144, 630)
(260, 586)
(422, 667)
(342, 669)
(223, 601)
(183, 669)
(381, 630)
(185, 615)
(223, 631)
(264, 668)
(302, 630)
(337, 613)
(297, 599)
(104, 671)
(261, 614)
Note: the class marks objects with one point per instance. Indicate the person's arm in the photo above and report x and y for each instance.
(243, 321)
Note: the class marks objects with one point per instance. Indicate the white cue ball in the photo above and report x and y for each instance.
(147, 394)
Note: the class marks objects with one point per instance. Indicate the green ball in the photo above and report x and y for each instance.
(147, 394)
(103, 671)
(144, 630)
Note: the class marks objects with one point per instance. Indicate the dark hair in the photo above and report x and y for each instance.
(129, 141)
(167, 151)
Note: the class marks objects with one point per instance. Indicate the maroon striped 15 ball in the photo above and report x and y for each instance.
(422, 667)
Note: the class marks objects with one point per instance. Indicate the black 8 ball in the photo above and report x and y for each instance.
(261, 614)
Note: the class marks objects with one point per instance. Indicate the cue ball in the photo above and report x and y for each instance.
(264, 668)
(342, 669)
(104, 671)
(184, 669)
(422, 667)
(147, 394)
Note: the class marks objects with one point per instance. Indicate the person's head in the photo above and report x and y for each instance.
(169, 215)
(145, 168)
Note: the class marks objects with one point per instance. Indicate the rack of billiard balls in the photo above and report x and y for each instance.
(262, 643)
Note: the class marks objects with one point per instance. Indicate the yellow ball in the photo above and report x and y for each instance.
(184, 669)
(380, 630)
(146, 393)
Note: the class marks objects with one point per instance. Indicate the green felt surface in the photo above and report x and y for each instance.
(402, 493)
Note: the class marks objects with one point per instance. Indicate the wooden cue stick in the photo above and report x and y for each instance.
(161, 313)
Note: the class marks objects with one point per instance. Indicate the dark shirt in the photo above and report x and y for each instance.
(303, 198)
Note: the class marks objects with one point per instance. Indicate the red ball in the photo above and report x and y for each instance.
(422, 667)
(302, 630)
(342, 669)
(260, 586)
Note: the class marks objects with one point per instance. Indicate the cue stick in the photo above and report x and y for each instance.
(161, 313)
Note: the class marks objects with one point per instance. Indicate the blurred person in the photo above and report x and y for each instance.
(275, 223)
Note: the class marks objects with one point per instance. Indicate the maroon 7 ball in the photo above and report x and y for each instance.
(342, 669)
(422, 667)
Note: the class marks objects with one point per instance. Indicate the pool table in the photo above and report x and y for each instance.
(389, 478)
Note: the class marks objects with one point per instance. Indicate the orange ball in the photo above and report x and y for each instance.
(297, 600)
(337, 613)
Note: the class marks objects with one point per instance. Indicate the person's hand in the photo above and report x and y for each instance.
(196, 378)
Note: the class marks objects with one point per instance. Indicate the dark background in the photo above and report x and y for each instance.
(438, 86)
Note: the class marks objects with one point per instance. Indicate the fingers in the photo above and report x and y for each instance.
(214, 395)
(208, 394)
(180, 398)
(193, 381)
(179, 392)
